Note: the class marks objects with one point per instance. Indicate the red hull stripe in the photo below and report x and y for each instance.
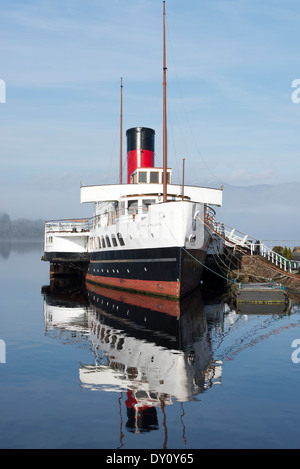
(161, 305)
(171, 289)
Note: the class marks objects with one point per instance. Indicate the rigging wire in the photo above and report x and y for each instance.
(233, 281)
(174, 145)
(182, 102)
(112, 159)
(220, 259)
(256, 259)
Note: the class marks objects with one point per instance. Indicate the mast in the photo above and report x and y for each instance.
(164, 110)
(121, 116)
(183, 161)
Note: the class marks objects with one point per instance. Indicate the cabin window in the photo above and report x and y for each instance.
(116, 207)
(142, 176)
(99, 243)
(122, 208)
(121, 240)
(132, 206)
(107, 241)
(103, 241)
(146, 203)
(153, 177)
(114, 241)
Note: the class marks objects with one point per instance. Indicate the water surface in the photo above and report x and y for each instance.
(103, 369)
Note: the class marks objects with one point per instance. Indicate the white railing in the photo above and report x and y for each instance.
(210, 215)
(233, 237)
(231, 234)
(78, 225)
(282, 262)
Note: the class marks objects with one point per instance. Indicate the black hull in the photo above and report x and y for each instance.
(172, 271)
(66, 257)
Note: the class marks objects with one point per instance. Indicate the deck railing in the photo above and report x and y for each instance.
(282, 262)
(77, 225)
(235, 238)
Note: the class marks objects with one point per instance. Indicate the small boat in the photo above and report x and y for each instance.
(148, 234)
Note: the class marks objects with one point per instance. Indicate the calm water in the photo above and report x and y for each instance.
(109, 370)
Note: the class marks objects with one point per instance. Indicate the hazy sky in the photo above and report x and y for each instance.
(231, 65)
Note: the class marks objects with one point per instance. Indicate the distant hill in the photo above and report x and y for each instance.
(20, 228)
(263, 211)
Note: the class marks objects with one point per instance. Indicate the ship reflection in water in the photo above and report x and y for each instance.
(157, 348)
(152, 351)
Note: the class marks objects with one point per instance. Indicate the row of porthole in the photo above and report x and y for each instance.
(107, 271)
(107, 242)
(103, 302)
(114, 271)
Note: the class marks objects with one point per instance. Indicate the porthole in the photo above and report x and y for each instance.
(114, 241)
(121, 240)
(107, 241)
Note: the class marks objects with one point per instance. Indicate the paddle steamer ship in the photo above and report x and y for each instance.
(147, 235)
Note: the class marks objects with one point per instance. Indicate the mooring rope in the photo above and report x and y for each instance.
(247, 254)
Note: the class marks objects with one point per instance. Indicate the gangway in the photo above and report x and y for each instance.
(233, 238)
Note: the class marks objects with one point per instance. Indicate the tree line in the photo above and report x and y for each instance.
(284, 251)
(20, 228)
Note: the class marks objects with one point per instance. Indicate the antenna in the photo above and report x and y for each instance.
(164, 110)
(183, 161)
(121, 131)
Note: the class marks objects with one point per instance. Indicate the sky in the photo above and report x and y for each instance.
(233, 102)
